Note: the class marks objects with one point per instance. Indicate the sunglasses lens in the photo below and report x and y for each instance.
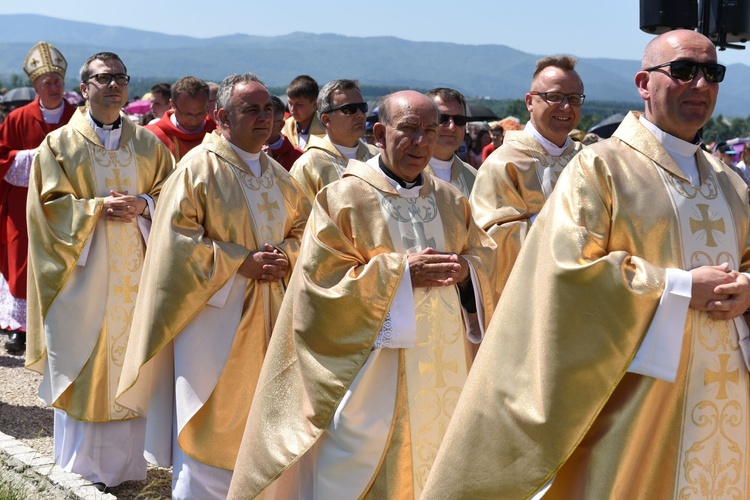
(714, 72)
(683, 70)
(349, 109)
(458, 120)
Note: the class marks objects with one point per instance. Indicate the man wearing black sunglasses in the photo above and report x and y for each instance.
(342, 112)
(444, 163)
(93, 185)
(619, 367)
(516, 179)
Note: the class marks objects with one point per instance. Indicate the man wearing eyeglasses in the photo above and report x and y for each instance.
(342, 112)
(93, 186)
(617, 367)
(183, 127)
(372, 346)
(518, 177)
(20, 135)
(444, 163)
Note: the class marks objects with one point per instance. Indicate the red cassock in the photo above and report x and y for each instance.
(24, 128)
(179, 142)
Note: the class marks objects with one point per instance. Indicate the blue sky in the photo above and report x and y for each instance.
(585, 28)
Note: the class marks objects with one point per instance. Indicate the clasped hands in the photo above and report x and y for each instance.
(722, 292)
(265, 265)
(121, 207)
(432, 268)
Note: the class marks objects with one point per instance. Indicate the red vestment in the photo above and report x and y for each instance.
(179, 142)
(286, 154)
(24, 128)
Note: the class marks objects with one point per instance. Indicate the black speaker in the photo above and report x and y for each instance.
(660, 16)
(731, 17)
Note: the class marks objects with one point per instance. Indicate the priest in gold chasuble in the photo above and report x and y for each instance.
(342, 113)
(518, 177)
(616, 365)
(373, 341)
(93, 187)
(223, 246)
(445, 164)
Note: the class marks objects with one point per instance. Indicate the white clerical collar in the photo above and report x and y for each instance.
(409, 192)
(442, 168)
(682, 152)
(182, 129)
(252, 160)
(551, 148)
(51, 115)
(348, 153)
(109, 135)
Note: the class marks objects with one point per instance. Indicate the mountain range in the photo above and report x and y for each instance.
(494, 71)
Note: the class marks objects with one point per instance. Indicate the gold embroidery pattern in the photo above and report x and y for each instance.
(435, 385)
(117, 170)
(712, 461)
(556, 163)
(436, 365)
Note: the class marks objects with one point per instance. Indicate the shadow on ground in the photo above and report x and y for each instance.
(42, 417)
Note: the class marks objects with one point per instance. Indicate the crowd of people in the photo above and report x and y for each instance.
(277, 308)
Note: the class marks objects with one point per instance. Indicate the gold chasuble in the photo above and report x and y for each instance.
(463, 175)
(317, 129)
(84, 271)
(323, 164)
(200, 330)
(340, 409)
(549, 396)
(511, 188)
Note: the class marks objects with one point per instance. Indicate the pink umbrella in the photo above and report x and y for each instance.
(73, 98)
(138, 107)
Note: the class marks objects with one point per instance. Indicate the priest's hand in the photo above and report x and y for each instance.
(706, 280)
(432, 268)
(121, 207)
(265, 266)
(737, 302)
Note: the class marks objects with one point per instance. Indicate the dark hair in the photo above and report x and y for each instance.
(476, 145)
(278, 106)
(162, 89)
(85, 72)
(303, 86)
(447, 95)
(190, 86)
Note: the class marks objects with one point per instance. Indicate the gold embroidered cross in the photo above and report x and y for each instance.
(126, 289)
(707, 225)
(268, 207)
(722, 376)
(34, 62)
(439, 366)
(118, 183)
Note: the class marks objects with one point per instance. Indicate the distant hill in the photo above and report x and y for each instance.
(495, 71)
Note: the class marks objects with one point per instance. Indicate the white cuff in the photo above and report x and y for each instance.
(400, 327)
(659, 353)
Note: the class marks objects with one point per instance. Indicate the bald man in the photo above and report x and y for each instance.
(373, 344)
(618, 371)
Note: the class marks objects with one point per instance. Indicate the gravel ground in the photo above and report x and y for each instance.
(24, 416)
